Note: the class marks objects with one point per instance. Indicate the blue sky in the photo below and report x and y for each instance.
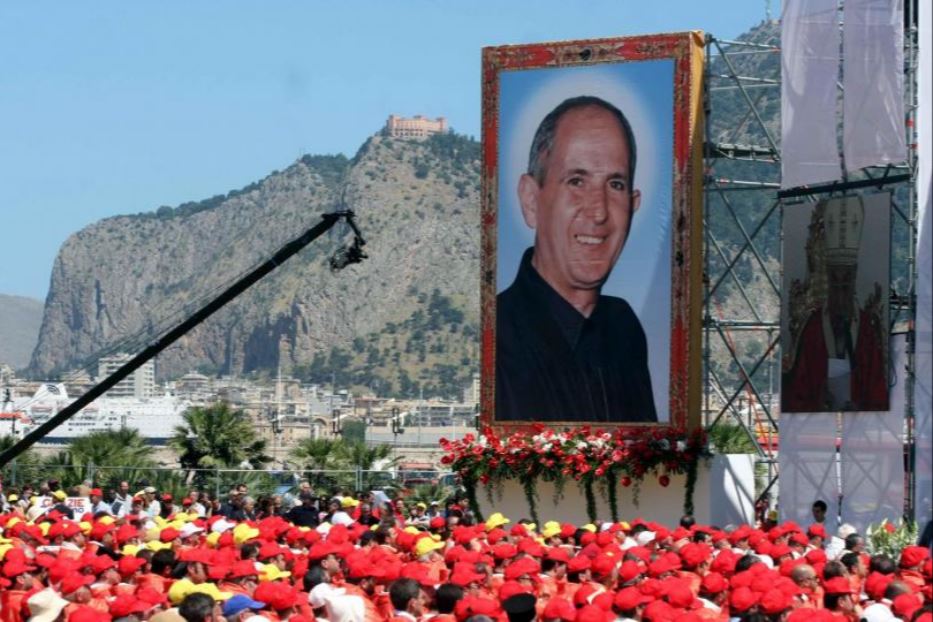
(115, 107)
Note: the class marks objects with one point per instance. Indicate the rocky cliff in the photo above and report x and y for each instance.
(394, 323)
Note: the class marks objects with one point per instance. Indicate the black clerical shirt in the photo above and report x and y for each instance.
(554, 364)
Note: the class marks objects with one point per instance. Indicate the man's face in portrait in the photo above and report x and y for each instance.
(582, 207)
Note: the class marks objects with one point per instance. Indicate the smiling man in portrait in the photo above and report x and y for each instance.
(564, 351)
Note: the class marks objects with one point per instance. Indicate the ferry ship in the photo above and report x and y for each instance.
(154, 417)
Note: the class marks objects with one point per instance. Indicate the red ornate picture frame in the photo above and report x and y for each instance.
(686, 52)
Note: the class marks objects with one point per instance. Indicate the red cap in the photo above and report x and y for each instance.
(679, 595)
(128, 565)
(559, 609)
(775, 601)
(629, 598)
(169, 534)
(603, 565)
(693, 554)
(437, 522)
(837, 585)
(557, 554)
(593, 613)
(905, 605)
(16, 567)
(521, 567)
(714, 583)
(127, 604)
(504, 550)
(84, 613)
(742, 599)
(816, 530)
(913, 556)
(629, 570)
(74, 581)
(578, 564)
(96, 492)
(510, 589)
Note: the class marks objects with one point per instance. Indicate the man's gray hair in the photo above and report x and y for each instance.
(543, 141)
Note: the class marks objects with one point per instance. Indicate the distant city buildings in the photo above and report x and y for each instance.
(140, 384)
(417, 127)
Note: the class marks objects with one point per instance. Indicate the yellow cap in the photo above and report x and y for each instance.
(13, 498)
(425, 545)
(244, 533)
(211, 590)
(496, 520)
(550, 529)
(349, 502)
(3, 549)
(106, 520)
(85, 527)
(155, 545)
(271, 572)
(179, 590)
(130, 550)
(423, 506)
(13, 521)
(625, 526)
(60, 495)
(589, 527)
(212, 539)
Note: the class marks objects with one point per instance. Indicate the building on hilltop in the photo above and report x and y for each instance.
(419, 127)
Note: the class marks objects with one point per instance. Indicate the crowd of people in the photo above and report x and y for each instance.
(364, 557)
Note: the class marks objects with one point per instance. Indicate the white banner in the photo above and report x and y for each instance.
(809, 74)
(807, 463)
(873, 79)
(872, 453)
(923, 387)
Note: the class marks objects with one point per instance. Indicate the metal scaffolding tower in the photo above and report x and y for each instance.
(743, 207)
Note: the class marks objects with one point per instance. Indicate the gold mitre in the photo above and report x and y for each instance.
(843, 218)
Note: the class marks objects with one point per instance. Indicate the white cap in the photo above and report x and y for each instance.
(323, 592)
(644, 537)
(878, 613)
(222, 525)
(189, 529)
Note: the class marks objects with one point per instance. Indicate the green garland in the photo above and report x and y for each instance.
(531, 495)
(689, 486)
(612, 486)
(590, 495)
(469, 485)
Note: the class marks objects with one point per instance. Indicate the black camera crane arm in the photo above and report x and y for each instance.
(283, 254)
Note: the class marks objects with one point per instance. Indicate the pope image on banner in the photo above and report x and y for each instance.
(834, 323)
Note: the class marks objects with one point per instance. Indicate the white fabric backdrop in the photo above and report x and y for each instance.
(809, 72)
(873, 79)
(923, 388)
(807, 466)
(872, 454)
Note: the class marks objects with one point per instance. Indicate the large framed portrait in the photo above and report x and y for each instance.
(591, 232)
(834, 316)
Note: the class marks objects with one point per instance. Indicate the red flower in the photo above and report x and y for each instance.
(890, 528)
(664, 480)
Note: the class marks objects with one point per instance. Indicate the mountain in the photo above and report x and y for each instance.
(404, 321)
(20, 318)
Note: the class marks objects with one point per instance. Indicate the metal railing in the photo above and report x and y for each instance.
(218, 482)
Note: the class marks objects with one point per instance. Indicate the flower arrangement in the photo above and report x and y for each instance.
(591, 457)
(889, 538)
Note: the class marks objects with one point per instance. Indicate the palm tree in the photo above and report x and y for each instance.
(318, 455)
(363, 457)
(217, 436)
(111, 455)
(26, 468)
